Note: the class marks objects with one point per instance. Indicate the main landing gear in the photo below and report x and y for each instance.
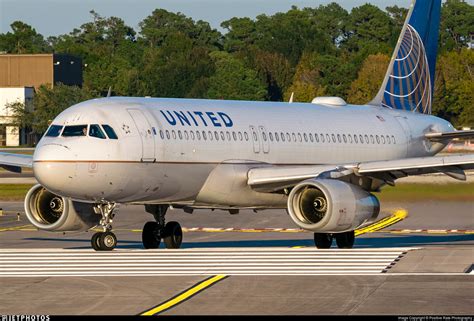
(343, 240)
(154, 232)
(106, 240)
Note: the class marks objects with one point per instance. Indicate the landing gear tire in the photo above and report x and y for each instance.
(95, 241)
(173, 235)
(104, 241)
(323, 240)
(107, 241)
(345, 240)
(150, 236)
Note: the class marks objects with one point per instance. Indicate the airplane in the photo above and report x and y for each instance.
(321, 161)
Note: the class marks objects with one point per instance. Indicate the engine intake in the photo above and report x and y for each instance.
(331, 206)
(51, 212)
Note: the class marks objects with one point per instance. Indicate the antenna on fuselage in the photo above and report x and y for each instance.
(291, 97)
(109, 92)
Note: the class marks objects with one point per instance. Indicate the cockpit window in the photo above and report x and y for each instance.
(76, 130)
(95, 131)
(54, 131)
(110, 132)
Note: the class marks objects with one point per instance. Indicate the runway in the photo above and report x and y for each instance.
(246, 264)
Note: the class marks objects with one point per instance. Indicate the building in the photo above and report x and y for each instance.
(35, 70)
(12, 135)
(20, 75)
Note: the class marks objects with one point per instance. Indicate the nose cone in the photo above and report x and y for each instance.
(54, 167)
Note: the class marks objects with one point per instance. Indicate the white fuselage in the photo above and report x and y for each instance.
(168, 148)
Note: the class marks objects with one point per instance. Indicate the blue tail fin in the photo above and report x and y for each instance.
(409, 82)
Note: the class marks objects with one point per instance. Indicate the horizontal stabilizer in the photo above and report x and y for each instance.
(463, 134)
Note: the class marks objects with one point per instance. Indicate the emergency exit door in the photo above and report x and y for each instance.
(146, 135)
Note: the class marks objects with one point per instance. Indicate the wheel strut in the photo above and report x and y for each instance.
(106, 240)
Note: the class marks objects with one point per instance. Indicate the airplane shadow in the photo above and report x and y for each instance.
(364, 242)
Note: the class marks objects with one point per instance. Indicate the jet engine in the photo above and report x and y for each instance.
(51, 212)
(331, 206)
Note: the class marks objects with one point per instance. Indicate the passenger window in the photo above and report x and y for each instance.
(173, 133)
(167, 134)
(54, 131)
(216, 135)
(209, 134)
(109, 131)
(264, 137)
(300, 138)
(333, 138)
(180, 135)
(95, 131)
(234, 135)
(228, 136)
(366, 139)
(240, 136)
(277, 138)
(186, 136)
(198, 134)
(270, 134)
(162, 135)
(77, 130)
(377, 138)
(191, 133)
(246, 136)
(372, 139)
(355, 139)
(383, 139)
(311, 137)
(282, 137)
(339, 138)
(316, 138)
(328, 139)
(393, 140)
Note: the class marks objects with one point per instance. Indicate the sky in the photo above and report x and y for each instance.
(55, 17)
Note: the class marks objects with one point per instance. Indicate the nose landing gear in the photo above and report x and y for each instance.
(153, 232)
(106, 240)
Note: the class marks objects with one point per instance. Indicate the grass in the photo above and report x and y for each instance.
(427, 192)
(402, 192)
(13, 192)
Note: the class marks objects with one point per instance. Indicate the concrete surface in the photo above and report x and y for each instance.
(430, 279)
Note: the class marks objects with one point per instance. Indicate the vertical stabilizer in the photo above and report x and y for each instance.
(409, 81)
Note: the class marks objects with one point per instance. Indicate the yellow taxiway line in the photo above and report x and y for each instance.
(186, 295)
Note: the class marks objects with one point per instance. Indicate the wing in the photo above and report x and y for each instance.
(14, 162)
(269, 179)
(463, 134)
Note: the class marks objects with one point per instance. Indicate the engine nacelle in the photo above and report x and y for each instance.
(54, 213)
(331, 206)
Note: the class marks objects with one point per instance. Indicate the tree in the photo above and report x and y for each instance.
(161, 24)
(46, 105)
(457, 24)
(454, 87)
(232, 80)
(307, 83)
(369, 79)
(369, 28)
(273, 69)
(23, 40)
(175, 68)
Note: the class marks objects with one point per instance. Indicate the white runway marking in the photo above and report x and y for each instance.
(229, 261)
